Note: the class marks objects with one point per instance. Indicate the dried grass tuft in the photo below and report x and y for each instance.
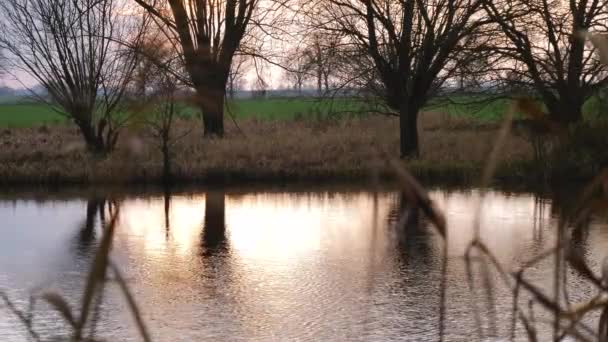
(261, 150)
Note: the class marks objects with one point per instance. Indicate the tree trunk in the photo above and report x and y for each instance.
(93, 142)
(462, 82)
(231, 91)
(567, 112)
(408, 132)
(319, 81)
(211, 102)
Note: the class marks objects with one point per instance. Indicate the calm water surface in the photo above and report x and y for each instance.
(278, 266)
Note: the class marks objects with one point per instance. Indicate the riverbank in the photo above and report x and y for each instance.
(347, 150)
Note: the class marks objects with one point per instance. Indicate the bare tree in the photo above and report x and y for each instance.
(236, 77)
(259, 88)
(157, 96)
(73, 49)
(411, 47)
(477, 67)
(321, 58)
(161, 118)
(207, 34)
(543, 52)
(299, 69)
(153, 63)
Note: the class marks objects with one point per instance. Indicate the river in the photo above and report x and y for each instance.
(281, 265)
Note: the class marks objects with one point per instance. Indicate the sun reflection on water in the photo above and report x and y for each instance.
(258, 226)
(290, 266)
(291, 229)
(271, 227)
(144, 220)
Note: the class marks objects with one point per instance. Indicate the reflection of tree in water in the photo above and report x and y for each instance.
(85, 241)
(167, 202)
(579, 238)
(564, 203)
(414, 235)
(216, 262)
(84, 245)
(418, 269)
(563, 200)
(538, 218)
(214, 227)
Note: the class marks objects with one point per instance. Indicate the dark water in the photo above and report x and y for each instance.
(279, 266)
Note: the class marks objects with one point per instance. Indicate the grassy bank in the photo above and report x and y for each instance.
(453, 149)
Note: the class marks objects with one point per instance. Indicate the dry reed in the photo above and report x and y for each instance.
(262, 150)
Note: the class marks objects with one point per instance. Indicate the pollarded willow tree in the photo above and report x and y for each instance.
(544, 50)
(412, 47)
(208, 34)
(76, 50)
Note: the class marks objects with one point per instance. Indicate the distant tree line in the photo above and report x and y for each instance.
(98, 58)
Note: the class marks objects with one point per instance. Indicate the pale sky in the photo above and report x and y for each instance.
(23, 78)
(273, 75)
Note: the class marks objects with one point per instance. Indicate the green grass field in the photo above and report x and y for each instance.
(277, 109)
(28, 114)
(24, 115)
(494, 109)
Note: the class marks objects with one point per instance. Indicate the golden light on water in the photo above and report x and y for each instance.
(293, 228)
(303, 266)
(270, 227)
(145, 219)
(507, 223)
(280, 252)
(258, 226)
(273, 243)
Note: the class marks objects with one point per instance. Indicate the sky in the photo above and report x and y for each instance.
(272, 74)
(20, 80)
(23, 80)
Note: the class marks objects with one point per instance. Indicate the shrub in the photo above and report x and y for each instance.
(583, 152)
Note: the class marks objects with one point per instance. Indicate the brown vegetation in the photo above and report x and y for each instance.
(454, 149)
